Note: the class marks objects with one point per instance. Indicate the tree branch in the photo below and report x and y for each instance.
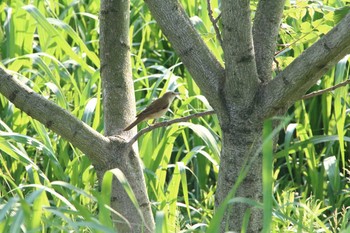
(54, 117)
(265, 30)
(167, 123)
(320, 92)
(291, 84)
(118, 88)
(195, 55)
(119, 105)
(214, 22)
(242, 78)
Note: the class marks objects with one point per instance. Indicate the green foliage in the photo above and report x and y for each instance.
(47, 184)
(312, 159)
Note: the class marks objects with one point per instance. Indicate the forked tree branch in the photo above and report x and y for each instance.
(118, 103)
(167, 123)
(214, 22)
(291, 84)
(54, 117)
(195, 55)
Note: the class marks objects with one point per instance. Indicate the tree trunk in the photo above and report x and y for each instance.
(119, 106)
(246, 84)
(245, 80)
(241, 141)
(139, 218)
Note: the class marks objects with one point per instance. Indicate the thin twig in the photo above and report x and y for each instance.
(214, 21)
(286, 46)
(217, 18)
(167, 123)
(277, 64)
(320, 92)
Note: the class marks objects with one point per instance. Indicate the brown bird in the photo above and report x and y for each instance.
(155, 110)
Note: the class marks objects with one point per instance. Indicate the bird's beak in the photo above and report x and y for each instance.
(178, 95)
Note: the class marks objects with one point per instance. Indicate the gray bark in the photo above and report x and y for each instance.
(77, 132)
(241, 139)
(105, 152)
(102, 151)
(265, 40)
(191, 48)
(240, 100)
(118, 88)
(245, 96)
(241, 74)
(119, 106)
(292, 83)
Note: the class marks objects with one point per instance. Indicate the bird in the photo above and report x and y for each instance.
(155, 110)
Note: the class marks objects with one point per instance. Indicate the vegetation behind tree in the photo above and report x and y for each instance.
(46, 183)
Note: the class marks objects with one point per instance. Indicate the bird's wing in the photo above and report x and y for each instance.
(154, 107)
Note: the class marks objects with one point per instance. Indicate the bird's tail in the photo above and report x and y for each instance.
(138, 120)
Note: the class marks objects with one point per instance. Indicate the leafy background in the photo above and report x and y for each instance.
(48, 185)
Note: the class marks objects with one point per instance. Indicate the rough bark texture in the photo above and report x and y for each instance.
(191, 48)
(241, 139)
(118, 88)
(119, 107)
(240, 100)
(121, 155)
(54, 117)
(104, 152)
(305, 70)
(243, 95)
(241, 74)
(265, 40)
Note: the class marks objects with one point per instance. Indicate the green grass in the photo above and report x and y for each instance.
(48, 184)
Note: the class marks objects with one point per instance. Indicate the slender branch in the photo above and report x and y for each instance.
(320, 92)
(217, 18)
(291, 84)
(204, 67)
(289, 45)
(167, 123)
(214, 21)
(54, 117)
(265, 30)
(278, 69)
